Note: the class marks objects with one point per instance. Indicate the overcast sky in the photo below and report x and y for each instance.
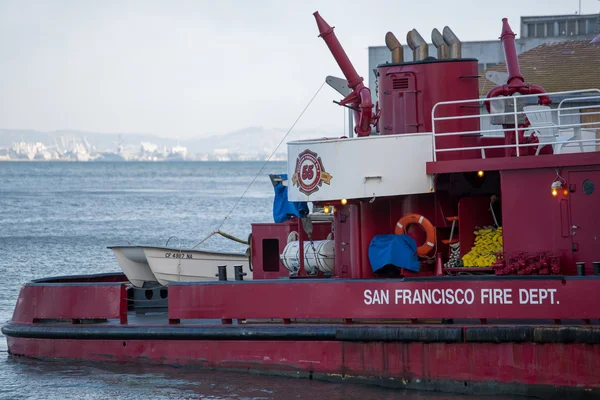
(185, 69)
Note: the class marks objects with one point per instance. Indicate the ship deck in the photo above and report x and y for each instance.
(514, 163)
(523, 308)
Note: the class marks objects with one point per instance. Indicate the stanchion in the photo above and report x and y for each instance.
(222, 272)
(239, 273)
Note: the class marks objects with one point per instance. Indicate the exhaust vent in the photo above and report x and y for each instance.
(453, 43)
(418, 45)
(395, 47)
(400, 83)
(443, 50)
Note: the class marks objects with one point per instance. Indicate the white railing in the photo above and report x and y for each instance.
(548, 131)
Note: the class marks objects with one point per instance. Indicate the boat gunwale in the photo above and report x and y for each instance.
(182, 250)
(72, 278)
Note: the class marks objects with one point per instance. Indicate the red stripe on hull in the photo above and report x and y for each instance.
(516, 365)
(392, 299)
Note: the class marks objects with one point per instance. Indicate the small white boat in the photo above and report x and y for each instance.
(134, 264)
(186, 265)
(148, 265)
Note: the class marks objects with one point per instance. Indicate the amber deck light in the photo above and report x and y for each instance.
(555, 186)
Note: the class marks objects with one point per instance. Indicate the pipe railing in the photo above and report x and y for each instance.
(586, 99)
(514, 129)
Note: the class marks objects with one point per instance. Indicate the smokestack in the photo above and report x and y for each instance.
(395, 47)
(453, 43)
(418, 45)
(443, 50)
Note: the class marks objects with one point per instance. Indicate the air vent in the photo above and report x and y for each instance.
(400, 83)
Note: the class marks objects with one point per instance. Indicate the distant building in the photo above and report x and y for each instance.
(560, 67)
(148, 148)
(557, 67)
(560, 26)
(177, 153)
(535, 30)
(29, 151)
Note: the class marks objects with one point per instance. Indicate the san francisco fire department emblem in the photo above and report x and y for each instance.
(309, 174)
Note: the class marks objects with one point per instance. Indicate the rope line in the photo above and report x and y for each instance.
(261, 169)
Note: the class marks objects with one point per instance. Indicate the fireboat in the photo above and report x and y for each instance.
(454, 249)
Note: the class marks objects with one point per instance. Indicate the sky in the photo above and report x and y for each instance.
(185, 69)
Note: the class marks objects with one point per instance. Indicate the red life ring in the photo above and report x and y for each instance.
(429, 229)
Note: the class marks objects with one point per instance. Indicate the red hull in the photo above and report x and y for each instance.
(517, 368)
(86, 319)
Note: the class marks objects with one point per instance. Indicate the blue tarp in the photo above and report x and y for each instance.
(397, 250)
(283, 208)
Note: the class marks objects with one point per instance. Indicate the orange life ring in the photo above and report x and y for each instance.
(411, 218)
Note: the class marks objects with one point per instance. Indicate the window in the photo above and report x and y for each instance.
(530, 30)
(571, 27)
(540, 30)
(562, 28)
(590, 26)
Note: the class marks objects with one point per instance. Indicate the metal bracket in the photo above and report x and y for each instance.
(339, 85)
(277, 179)
(347, 106)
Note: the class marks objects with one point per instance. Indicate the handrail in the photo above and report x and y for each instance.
(575, 95)
(577, 108)
(577, 98)
(503, 146)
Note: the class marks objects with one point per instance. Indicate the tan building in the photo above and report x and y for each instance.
(556, 67)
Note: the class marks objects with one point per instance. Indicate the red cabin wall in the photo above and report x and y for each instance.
(265, 263)
(408, 92)
(347, 238)
(584, 198)
(375, 219)
(526, 197)
(534, 220)
(381, 216)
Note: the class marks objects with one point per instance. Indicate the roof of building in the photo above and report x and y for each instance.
(527, 18)
(556, 66)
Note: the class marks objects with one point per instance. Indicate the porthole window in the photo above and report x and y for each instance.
(588, 187)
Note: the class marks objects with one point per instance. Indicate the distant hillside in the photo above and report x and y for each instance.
(249, 143)
(254, 142)
(102, 141)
